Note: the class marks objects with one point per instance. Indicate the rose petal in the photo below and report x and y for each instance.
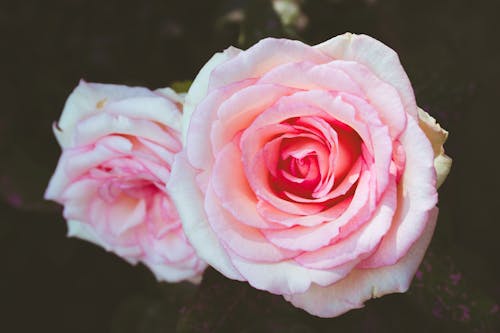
(288, 220)
(188, 199)
(381, 143)
(286, 277)
(380, 95)
(162, 216)
(442, 164)
(93, 128)
(157, 109)
(262, 57)
(171, 273)
(198, 151)
(172, 95)
(315, 237)
(362, 241)
(88, 99)
(199, 88)
(172, 248)
(437, 136)
(77, 198)
(362, 284)
(125, 213)
(307, 75)
(85, 232)
(165, 153)
(416, 197)
(74, 162)
(311, 103)
(237, 112)
(230, 184)
(379, 58)
(245, 241)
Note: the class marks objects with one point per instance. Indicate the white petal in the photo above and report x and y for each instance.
(169, 273)
(199, 87)
(88, 99)
(437, 136)
(442, 164)
(171, 94)
(157, 109)
(84, 231)
(188, 199)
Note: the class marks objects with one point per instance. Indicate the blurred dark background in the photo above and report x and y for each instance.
(51, 283)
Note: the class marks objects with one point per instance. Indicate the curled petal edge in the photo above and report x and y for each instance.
(437, 137)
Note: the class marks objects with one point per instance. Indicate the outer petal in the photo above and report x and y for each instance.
(262, 57)
(437, 136)
(382, 96)
(75, 162)
(157, 109)
(85, 232)
(172, 247)
(442, 164)
(416, 198)
(287, 277)
(307, 75)
(172, 95)
(362, 284)
(88, 99)
(199, 87)
(171, 273)
(381, 59)
(188, 199)
(199, 151)
(77, 198)
(93, 128)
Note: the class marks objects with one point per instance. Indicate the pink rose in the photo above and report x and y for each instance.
(307, 172)
(118, 144)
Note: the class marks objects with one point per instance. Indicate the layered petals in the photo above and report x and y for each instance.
(118, 146)
(364, 284)
(309, 171)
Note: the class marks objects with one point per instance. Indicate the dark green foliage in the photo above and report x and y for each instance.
(181, 86)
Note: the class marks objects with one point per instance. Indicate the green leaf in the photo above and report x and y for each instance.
(181, 86)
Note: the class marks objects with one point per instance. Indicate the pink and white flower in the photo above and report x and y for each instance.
(118, 144)
(309, 172)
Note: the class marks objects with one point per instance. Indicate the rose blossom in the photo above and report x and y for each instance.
(118, 144)
(309, 171)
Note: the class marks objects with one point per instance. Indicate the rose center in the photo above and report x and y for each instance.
(314, 157)
(126, 177)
